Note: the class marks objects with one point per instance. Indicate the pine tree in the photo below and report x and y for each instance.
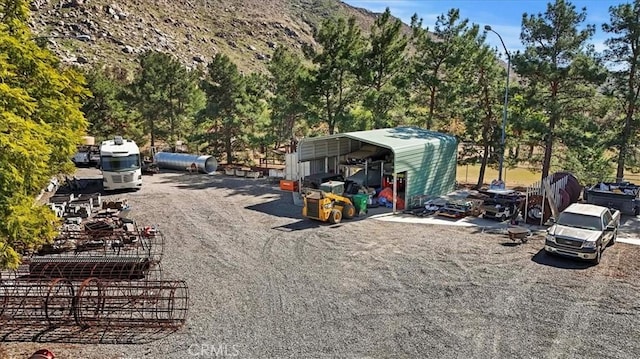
(226, 94)
(106, 110)
(382, 71)
(165, 94)
(438, 57)
(557, 67)
(624, 52)
(483, 93)
(288, 105)
(333, 77)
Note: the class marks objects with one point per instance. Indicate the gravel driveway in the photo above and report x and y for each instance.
(265, 283)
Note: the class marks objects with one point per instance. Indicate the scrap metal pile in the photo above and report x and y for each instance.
(102, 270)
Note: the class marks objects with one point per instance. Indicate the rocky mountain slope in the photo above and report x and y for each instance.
(193, 30)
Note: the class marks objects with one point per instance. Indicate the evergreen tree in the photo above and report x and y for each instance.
(226, 94)
(288, 105)
(624, 53)
(165, 94)
(438, 56)
(557, 67)
(255, 112)
(106, 110)
(483, 93)
(586, 138)
(332, 86)
(383, 69)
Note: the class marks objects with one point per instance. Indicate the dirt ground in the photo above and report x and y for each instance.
(265, 283)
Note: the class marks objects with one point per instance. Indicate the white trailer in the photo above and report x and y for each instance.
(120, 164)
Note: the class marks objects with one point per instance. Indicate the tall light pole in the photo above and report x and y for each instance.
(506, 102)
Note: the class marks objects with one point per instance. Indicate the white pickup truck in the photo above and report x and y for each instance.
(583, 231)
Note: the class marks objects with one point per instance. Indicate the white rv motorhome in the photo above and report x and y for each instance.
(120, 164)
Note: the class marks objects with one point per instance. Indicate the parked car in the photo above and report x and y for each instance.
(583, 231)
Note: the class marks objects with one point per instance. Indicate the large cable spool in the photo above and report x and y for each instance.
(568, 195)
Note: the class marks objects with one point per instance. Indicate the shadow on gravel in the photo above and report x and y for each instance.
(81, 186)
(281, 207)
(559, 262)
(238, 185)
(306, 224)
(510, 244)
(298, 226)
(21, 332)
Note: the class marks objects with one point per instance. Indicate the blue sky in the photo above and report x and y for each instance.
(504, 16)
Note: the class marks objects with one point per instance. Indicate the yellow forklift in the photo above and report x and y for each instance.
(327, 204)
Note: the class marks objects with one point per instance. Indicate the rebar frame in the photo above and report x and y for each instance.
(112, 255)
(108, 268)
(94, 303)
(147, 242)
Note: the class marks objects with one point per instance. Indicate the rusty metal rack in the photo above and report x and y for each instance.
(133, 241)
(107, 254)
(94, 303)
(80, 268)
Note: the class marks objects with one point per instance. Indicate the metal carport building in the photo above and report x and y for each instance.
(427, 159)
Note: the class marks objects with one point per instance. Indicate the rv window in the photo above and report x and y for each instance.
(118, 164)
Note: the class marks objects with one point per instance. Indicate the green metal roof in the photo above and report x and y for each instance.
(401, 139)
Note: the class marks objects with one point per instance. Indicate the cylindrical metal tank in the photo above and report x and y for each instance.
(182, 161)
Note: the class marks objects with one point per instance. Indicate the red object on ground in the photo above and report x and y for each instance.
(288, 185)
(43, 354)
(387, 194)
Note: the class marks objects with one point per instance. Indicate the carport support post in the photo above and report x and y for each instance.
(366, 173)
(526, 206)
(544, 198)
(395, 191)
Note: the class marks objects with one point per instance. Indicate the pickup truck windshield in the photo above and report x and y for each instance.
(119, 164)
(580, 221)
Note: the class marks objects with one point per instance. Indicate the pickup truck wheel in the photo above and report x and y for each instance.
(598, 257)
(613, 238)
